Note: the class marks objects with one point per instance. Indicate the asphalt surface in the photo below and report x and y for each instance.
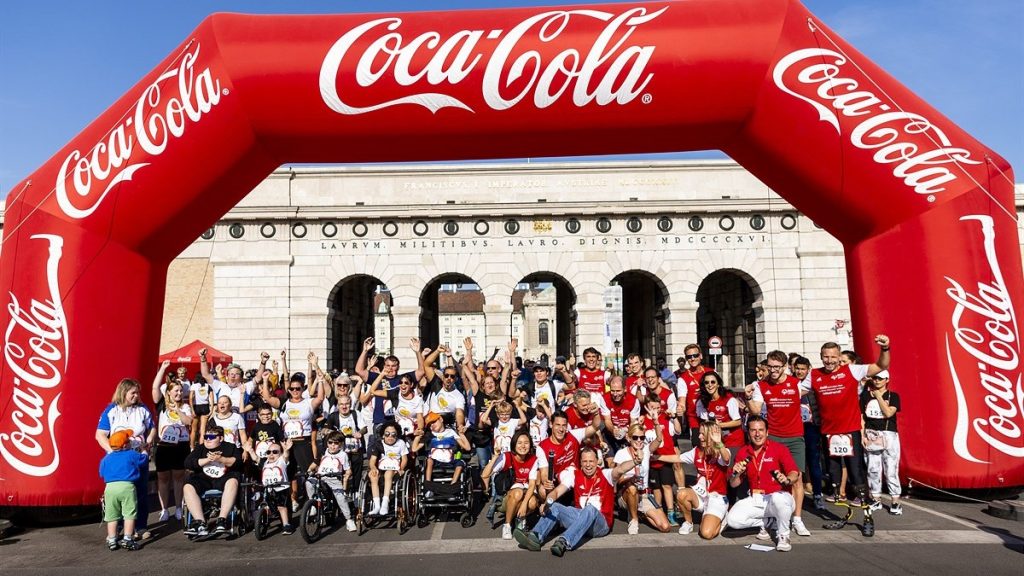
(930, 538)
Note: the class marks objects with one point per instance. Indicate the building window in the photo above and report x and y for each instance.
(542, 333)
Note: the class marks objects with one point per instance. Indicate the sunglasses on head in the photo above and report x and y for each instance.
(692, 356)
(273, 451)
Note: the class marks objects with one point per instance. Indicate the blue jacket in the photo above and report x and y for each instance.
(122, 466)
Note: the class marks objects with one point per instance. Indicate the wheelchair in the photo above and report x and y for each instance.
(239, 519)
(403, 507)
(439, 497)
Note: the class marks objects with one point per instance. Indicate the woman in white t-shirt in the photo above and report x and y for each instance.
(173, 446)
(635, 496)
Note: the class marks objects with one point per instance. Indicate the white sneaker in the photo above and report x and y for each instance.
(383, 507)
(763, 535)
(374, 508)
(506, 531)
(633, 528)
(164, 515)
(799, 528)
(783, 545)
(350, 525)
(686, 528)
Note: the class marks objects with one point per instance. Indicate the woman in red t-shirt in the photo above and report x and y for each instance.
(716, 403)
(711, 458)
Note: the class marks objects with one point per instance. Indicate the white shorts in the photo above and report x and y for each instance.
(715, 505)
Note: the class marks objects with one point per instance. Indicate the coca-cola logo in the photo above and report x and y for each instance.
(993, 350)
(36, 351)
(917, 149)
(157, 119)
(512, 72)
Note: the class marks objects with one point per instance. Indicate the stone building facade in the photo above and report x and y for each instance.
(691, 248)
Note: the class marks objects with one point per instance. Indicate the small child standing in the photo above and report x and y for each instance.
(119, 470)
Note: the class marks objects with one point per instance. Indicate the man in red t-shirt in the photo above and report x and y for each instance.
(634, 372)
(592, 376)
(623, 410)
(558, 453)
(781, 393)
(771, 472)
(837, 390)
(592, 513)
(688, 388)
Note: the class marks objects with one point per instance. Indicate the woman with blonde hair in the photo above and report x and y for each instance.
(707, 495)
(127, 412)
(173, 442)
(634, 494)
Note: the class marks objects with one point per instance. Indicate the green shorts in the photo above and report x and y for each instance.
(119, 502)
(797, 449)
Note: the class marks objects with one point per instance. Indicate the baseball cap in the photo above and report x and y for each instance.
(120, 438)
(883, 374)
(431, 418)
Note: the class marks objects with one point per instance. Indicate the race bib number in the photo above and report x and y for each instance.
(840, 445)
(594, 501)
(330, 466)
(441, 455)
(501, 444)
(389, 464)
(873, 411)
(171, 434)
(214, 470)
(805, 413)
(261, 449)
(292, 429)
(272, 475)
(701, 488)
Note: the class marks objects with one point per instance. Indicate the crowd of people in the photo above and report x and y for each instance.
(570, 445)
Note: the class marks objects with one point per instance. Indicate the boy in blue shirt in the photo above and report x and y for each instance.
(120, 470)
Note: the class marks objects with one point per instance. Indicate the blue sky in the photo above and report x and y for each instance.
(63, 63)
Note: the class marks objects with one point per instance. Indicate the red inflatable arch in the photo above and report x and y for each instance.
(924, 211)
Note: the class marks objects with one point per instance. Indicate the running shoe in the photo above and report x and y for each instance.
(633, 528)
(799, 528)
(686, 528)
(896, 509)
(560, 547)
(164, 515)
(783, 545)
(527, 540)
(129, 544)
(350, 525)
(819, 502)
(858, 501)
(506, 531)
(112, 544)
(875, 504)
(193, 528)
(288, 530)
(220, 526)
(763, 535)
(374, 508)
(672, 521)
(177, 514)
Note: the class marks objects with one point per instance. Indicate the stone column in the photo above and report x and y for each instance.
(681, 329)
(499, 329)
(406, 322)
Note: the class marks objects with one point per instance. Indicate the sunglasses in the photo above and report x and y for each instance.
(273, 451)
(637, 438)
(710, 382)
(692, 356)
(390, 435)
(449, 375)
(336, 442)
(210, 437)
(408, 382)
(493, 367)
(295, 389)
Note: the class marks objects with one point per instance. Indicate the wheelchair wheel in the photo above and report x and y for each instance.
(262, 522)
(410, 497)
(467, 520)
(311, 519)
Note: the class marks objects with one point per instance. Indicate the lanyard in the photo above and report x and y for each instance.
(757, 465)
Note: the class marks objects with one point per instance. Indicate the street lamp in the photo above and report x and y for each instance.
(618, 361)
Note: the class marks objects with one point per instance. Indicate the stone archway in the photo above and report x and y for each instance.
(644, 314)
(729, 307)
(451, 309)
(544, 315)
(358, 307)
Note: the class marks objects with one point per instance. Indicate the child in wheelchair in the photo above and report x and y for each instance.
(335, 461)
(442, 444)
(388, 457)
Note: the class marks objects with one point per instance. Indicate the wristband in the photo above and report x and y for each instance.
(885, 348)
(719, 445)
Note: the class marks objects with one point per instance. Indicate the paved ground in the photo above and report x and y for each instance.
(931, 538)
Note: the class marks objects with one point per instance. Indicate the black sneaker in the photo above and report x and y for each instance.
(220, 526)
(193, 528)
(288, 530)
(526, 540)
(112, 544)
(129, 544)
(559, 547)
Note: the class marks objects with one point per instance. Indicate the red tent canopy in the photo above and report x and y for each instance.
(188, 356)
